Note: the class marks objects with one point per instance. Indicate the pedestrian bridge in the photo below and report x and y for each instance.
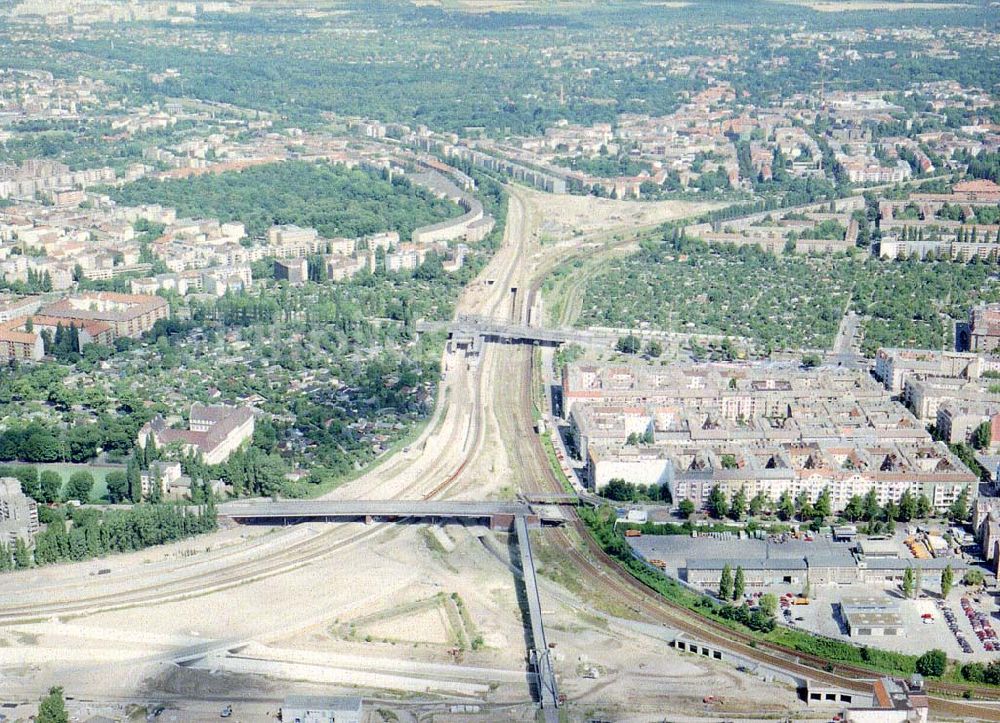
(515, 517)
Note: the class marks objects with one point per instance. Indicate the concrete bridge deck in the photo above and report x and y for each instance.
(497, 514)
(468, 328)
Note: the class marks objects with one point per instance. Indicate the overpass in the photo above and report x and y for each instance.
(470, 328)
(498, 515)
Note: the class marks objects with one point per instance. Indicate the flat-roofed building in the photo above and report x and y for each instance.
(18, 512)
(321, 709)
(870, 623)
(984, 328)
(129, 315)
(894, 366)
(294, 271)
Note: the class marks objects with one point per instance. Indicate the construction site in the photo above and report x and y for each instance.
(398, 588)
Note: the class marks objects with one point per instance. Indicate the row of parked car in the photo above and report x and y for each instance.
(981, 626)
(949, 616)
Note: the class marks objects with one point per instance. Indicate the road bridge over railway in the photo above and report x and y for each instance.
(515, 516)
(471, 328)
(498, 515)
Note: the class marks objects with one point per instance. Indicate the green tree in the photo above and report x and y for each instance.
(654, 348)
(758, 504)
(973, 577)
(79, 486)
(50, 482)
(871, 507)
(786, 507)
(22, 555)
(854, 509)
(769, 604)
(907, 506)
(959, 509)
(933, 663)
(738, 506)
(981, 437)
(726, 583)
(52, 709)
(629, 344)
(924, 507)
(992, 673)
(947, 580)
(974, 672)
(134, 477)
(717, 504)
(908, 582)
(824, 507)
(804, 506)
(686, 508)
(117, 482)
(810, 361)
(739, 584)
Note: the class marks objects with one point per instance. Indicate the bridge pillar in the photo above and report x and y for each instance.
(501, 523)
(369, 519)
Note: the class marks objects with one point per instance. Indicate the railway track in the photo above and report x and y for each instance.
(596, 565)
(196, 583)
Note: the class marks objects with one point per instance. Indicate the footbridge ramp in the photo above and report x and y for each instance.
(541, 659)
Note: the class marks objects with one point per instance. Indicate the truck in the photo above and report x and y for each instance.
(633, 533)
(800, 601)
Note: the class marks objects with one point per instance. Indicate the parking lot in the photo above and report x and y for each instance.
(924, 621)
(822, 615)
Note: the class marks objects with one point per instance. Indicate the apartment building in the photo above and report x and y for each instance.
(893, 367)
(18, 513)
(760, 428)
(128, 315)
(16, 343)
(984, 328)
(294, 271)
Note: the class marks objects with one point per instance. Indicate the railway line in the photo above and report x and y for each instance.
(150, 588)
(596, 565)
(507, 366)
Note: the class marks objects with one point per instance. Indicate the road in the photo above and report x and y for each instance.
(847, 333)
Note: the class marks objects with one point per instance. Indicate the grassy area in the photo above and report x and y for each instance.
(100, 491)
(550, 452)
